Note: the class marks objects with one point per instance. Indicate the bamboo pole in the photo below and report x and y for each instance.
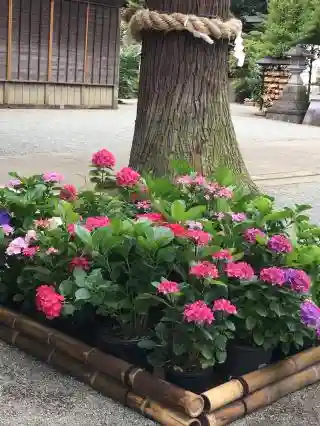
(141, 382)
(262, 397)
(98, 381)
(159, 413)
(251, 382)
(166, 393)
(9, 42)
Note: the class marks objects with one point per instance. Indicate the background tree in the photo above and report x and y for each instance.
(183, 108)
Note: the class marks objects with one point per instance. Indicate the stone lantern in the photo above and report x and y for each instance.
(293, 104)
(312, 116)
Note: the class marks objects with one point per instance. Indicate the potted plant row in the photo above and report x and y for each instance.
(191, 274)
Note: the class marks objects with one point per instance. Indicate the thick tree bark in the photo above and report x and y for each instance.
(183, 107)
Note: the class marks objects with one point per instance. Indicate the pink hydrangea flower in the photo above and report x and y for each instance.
(204, 270)
(143, 205)
(152, 217)
(199, 313)
(238, 217)
(222, 255)
(48, 301)
(30, 251)
(127, 177)
(241, 270)
(219, 216)
(168, 287)
(225, 306)
(52, 250)
(280, 244)
(298, 280)
(251, 235)
(103, 158)
(68, 193)
(200, 237)
(224, 193)
(7, 229)
(273, 275)
(71, 228)
(53, 177)
(16, 246)
(80, 262)
(96, 222)
(31, 235)
(13, 183)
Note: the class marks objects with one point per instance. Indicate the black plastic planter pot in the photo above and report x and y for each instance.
(243, 359)
(126, 349)
(197, 382)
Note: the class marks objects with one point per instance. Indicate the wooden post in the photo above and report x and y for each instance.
(9, 42)
(50, 41)
(85, 62)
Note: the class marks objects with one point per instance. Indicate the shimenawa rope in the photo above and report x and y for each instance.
(208, 29)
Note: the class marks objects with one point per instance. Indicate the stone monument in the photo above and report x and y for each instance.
(293, 104)
(312, 116)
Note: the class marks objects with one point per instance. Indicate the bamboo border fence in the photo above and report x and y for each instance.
(153, 397)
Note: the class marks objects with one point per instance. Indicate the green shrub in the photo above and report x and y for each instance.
(129, 72)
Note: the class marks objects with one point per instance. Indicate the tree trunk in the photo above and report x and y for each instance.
(183, 107)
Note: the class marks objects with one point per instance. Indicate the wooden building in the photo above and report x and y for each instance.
(59, 53)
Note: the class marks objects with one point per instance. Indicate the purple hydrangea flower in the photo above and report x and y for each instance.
(4, 218)
(298, 280)
(310, 315)
(280, 244)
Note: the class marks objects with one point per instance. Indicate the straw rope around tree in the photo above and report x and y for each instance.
(208, 29)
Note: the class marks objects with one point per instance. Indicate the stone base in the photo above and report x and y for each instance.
(289, 118)
(312, 117)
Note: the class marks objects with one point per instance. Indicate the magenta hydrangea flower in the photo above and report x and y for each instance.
(168, 287)
(251, 235)
(225, 306)
(280, 244)
(198, 313)
(204, 270)
(273, 275)
(240, 270)
(298, 280)
(222, 255)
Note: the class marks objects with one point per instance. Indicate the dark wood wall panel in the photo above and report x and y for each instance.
(73, 49)
(3, 37)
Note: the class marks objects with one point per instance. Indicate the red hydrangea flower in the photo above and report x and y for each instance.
(96, 222)
(178, 230)
(225, 306)
(251, 235)
(241, 270)
(280, 244)
(200, 237)
(30, 251)
(204, 270)
(79, 262)
(152, 217)
(103, 158)
(68, 193)
(168, 287)
(127, 177)
(273, 275)
(222, 255)
(199, 313)
(48, 301)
